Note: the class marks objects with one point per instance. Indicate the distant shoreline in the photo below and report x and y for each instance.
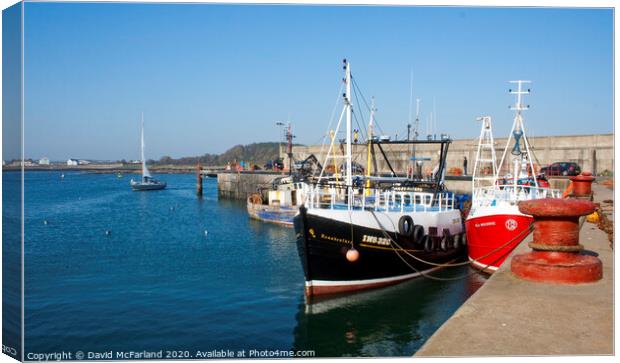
(114, 169)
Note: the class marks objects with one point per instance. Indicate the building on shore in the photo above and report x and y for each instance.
(44, 161)
(73, 162)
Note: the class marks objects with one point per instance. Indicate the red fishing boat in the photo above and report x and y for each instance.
(494, 225)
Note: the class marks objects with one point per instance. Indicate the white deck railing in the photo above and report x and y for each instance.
(508, 194)
(332, 197)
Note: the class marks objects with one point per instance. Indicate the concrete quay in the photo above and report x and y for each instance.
(512, 317)
(239, 185)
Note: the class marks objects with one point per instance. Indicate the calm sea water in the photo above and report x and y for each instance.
(176, 272)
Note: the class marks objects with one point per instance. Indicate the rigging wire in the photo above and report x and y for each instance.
(387, 235)
(361, 115)
(331, 120)
(376, 122)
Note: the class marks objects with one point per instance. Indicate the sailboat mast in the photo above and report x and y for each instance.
(142, 139)
(145, 171)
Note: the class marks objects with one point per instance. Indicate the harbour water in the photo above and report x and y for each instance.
(108, 269)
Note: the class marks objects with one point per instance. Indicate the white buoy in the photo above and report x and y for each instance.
(45, 222)
(206, 232)
(108, 232)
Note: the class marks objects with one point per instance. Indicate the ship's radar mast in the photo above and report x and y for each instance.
(521, 160)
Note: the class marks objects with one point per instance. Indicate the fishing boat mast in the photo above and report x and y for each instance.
(346, 112)
(485, 155)
(521, 159)
(369, 156)
(348, 105)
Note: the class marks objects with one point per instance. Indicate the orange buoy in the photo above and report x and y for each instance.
(352, 255)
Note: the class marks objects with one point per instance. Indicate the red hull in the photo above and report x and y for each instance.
(486, 234)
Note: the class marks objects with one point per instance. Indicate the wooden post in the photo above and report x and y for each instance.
(198, 180)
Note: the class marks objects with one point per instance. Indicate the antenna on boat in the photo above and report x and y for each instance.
(417, 119)
(434, 119)
(410, 105)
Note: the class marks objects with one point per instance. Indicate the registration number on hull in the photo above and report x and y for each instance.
(376, 240)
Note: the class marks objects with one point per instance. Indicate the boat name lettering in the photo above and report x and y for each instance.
(335, 239)
(485, 224)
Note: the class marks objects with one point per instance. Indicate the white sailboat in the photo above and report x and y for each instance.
(147, 182)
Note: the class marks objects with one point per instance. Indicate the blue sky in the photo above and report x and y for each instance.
(212, 76)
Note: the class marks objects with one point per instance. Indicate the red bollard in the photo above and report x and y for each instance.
(582, 184)
(556, 256)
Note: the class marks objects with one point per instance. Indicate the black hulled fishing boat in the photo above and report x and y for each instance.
(360, 231)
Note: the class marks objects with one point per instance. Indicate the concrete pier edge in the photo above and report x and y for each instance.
(512, 317)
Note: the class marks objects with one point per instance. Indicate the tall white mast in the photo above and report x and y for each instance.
(145, 171)
(348, 105)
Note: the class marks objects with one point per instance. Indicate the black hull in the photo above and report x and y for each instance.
(323, 243)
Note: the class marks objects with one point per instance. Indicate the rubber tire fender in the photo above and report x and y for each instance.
(456, 243)
(418, 233)
(403, 222)
(445, 243)
(429, 244)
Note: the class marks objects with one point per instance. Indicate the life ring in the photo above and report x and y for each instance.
(405, 226)
(418, 233)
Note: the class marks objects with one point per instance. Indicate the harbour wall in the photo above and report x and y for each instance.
(238, 185)
(593, 153)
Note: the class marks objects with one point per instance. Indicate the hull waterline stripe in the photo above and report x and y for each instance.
(369, 281)
(482, 265)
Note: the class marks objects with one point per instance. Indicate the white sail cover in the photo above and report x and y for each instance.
(145, 171)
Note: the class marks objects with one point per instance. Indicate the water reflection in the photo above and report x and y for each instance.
(392, 321)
